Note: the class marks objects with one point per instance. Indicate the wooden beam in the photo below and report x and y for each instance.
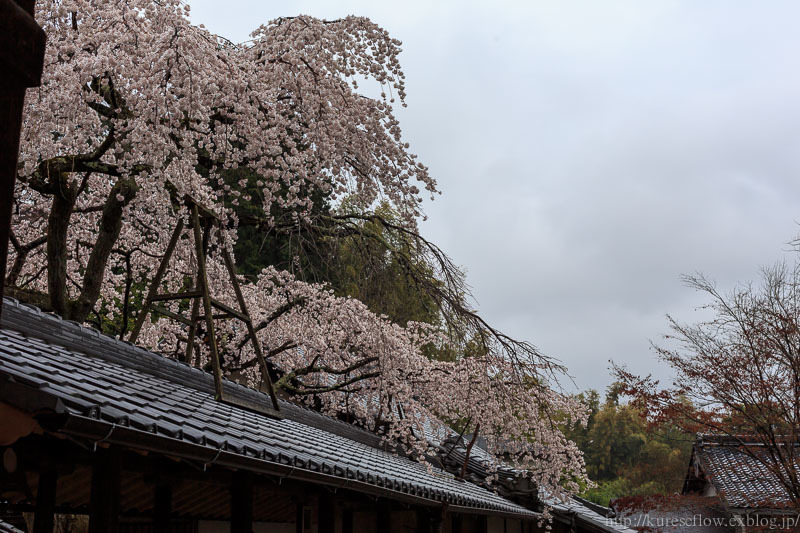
(104, 506)
(202, 285)
(44, 515)
(162, 507)
(192, 332)
(228, 309)
(262, 362)
(174, 316)
(242, 502)
(185, 295)
(153, 291)
(22, 44)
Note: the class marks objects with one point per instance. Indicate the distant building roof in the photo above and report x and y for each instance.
(122, 393)
(740, 480)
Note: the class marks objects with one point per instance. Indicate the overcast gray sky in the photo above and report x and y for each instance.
(589, 153)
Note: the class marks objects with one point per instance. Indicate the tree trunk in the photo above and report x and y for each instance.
(57, 230)
(108, 233)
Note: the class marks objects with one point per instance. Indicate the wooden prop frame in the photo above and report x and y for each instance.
(202, 221)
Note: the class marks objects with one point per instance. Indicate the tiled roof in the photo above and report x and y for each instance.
(740, 479)
(100, 380)
(581, 510)
(5, 527)
(511, 482)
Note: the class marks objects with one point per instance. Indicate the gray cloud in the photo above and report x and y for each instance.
(591, 152)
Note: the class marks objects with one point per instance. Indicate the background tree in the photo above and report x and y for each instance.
(626, 456)
(739, 371)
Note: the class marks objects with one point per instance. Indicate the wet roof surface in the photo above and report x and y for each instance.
(98, 377)
(741, 480)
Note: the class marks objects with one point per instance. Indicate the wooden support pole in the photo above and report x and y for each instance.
(104, 506)
(262, 362)
(44, 514)
(327, 513)
(242, 503)
(162, 269)
(192, 332)
(162, 507)
(202, 285)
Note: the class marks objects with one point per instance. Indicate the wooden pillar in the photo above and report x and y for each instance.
(423, 521)
(384, 516)
(21, 58)
(483, 524)
(347, 521)
(298, 516)
(438, 519)
(455, 523)
(242, 503)
(327, 513)
(44, 514)
(162, 507)
(104, 506)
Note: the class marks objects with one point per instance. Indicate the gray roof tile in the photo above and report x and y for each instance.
(5, 527)
(97, 376)
(740, 479)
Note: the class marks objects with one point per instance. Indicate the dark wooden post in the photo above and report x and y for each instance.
(455, 523)
(327, 513)
(438, 519)
(384, 516)
(423, 521)
(44, 514)
(242, 502)
(162, 507)
(347, 521)
(104, 506)
(298, 515)
(21, 57)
